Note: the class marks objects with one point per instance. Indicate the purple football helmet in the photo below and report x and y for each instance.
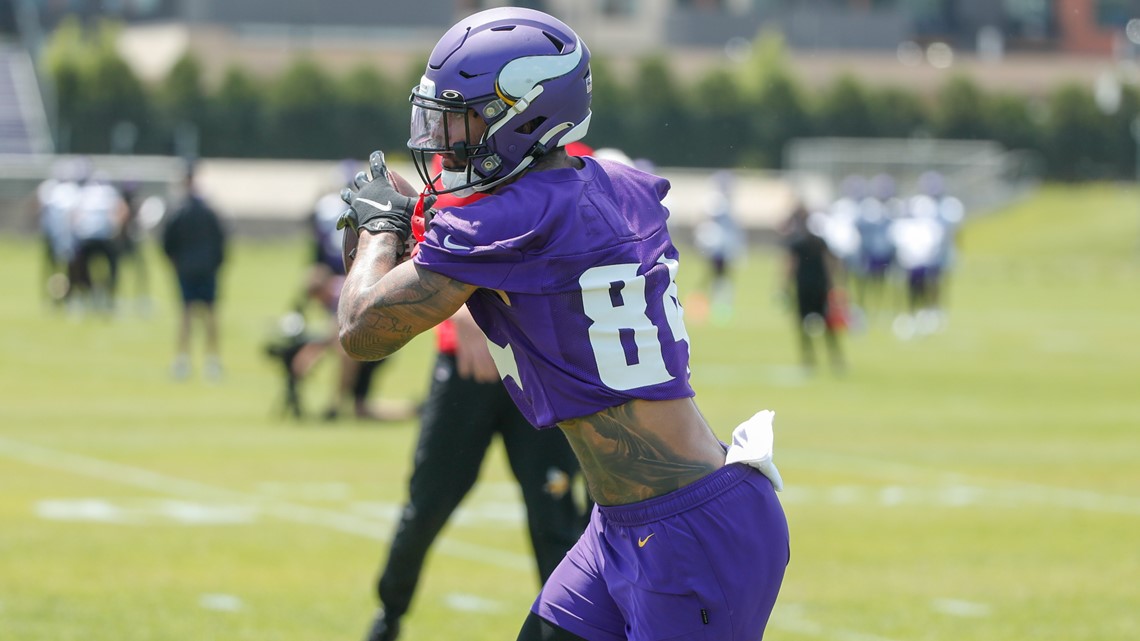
(525, 73)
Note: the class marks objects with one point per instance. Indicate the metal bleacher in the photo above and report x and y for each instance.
(23, 119)
(26, 144)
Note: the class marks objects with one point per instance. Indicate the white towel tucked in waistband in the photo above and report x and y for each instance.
(752, 445)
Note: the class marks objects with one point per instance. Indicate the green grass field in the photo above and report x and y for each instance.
(978, 484)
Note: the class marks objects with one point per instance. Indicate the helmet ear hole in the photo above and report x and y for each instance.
(530, 126)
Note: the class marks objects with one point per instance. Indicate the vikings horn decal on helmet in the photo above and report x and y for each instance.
(526, 75)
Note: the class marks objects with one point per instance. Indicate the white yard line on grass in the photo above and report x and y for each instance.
(789, 618)
(160, 483)
(952, 484)
(961, 608)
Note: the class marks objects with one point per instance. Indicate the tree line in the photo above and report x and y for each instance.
(728, 117)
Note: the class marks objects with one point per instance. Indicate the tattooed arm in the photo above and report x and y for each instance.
(386, 302)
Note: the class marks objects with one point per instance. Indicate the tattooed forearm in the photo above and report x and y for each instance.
(379, 336)
(391, 313)
(624, 460)
(383, 305)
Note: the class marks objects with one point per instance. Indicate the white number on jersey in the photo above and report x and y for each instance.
(623, 338)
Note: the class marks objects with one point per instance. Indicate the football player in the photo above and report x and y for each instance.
(877, 253)
(568, 268)
(466, 407)
(950, 214)
(323, 283)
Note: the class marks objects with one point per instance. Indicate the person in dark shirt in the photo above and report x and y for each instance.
(810, 267)
(195, 242)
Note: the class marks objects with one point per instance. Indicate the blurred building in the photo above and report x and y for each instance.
(1041, 41)
(638, 26)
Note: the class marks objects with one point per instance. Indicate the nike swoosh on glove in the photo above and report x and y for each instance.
(752, 445)
(376, 206)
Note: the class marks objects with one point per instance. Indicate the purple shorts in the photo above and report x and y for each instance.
(877, 265)
(704, 562)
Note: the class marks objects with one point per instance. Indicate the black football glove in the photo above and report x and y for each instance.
(377, 206)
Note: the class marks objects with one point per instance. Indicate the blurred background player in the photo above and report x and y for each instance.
(129, 247)
(809, 275)
(467, 405)
(840, 229)
(837, 226)
(876, 252)
(917, 237)
(353, 380)
(194, 240)
(56, 198)
(97, 220)
(948, 211)
(719, 239)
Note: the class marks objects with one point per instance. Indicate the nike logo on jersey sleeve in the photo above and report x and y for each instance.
(451, 244)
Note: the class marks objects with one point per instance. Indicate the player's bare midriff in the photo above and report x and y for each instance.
(643, 449)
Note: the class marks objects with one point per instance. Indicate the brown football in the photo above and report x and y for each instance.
(402, 185)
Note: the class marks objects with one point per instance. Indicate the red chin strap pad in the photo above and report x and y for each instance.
(419, 224)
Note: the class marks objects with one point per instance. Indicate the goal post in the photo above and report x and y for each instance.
(981, 173)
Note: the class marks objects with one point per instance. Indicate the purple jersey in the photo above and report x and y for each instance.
(580, 303)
